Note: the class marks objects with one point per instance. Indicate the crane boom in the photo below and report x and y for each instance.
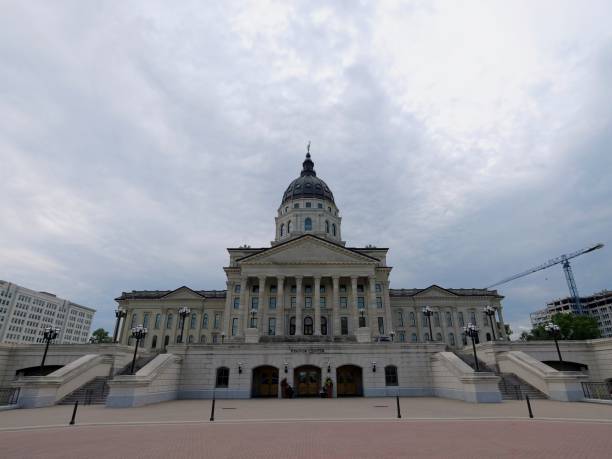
(549, 263)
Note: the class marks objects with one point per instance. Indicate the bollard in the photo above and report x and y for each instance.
(529, 406)
(399, 413)
(76, 405)
(212, 410)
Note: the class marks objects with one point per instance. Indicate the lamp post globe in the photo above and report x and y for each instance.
(471, 330)
(49, 335)
(119, 314)
(428, 312)
(490, 312)
(555, 331)
(138, 333)
(183, 313)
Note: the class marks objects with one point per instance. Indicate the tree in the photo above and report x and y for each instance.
(572, 327)
(101, 336)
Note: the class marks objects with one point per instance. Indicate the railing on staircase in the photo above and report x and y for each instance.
(597, 390)
(9, 396)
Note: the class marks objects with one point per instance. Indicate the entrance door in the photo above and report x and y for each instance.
(349, 380)
(265, 382)
(307, 381)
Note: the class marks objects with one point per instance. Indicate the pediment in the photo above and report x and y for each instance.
(182, 293)
(435, 291)
(308, 250)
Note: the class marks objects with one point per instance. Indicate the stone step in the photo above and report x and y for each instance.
(514, 388)
(93, 392)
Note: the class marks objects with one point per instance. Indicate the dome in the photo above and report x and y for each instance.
(308, 185)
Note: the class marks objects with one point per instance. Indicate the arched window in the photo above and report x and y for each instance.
(412, 319)
(154, 342)
(157, 321)
(169, 321)
(400, 318)
(438, 336)
(203, 339)
(323, 326)
(326, 226)
(190, 339)
(426, 336)
(289, 227)
(292, 326)
(222, 377)
(333, 229)
(488, 336)
(282, 230)
(205, 320)
(451, 339)
(194, 320)
(391, 375)
(308, 328)
(308, 224)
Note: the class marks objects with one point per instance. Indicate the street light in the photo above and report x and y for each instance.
(471, 330)
(490, 311)
(119, 314)
(49, 335)
(183, 312)
(138, 333)
(428, 312)
(554, 330)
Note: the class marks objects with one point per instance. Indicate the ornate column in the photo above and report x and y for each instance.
(336, 305)
(227, 320)
(262, 305)
(244, 307)
(372, 313)
(299, 302)
(317, 305)
(354, 311)
(280, 305)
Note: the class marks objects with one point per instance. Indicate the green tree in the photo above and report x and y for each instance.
(572, 327)
(101, 336)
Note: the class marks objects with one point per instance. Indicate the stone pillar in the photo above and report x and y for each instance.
(262, 305)
(244, 307)
(372, 313)
(227, 320)
(299, 302)
(502, 330)
(387, 305)
(419, 323)
(354, 311)
(317, 305)
(335, 306)
(280, 305)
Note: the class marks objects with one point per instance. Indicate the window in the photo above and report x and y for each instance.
(272, 289)
(292, 326)
(326, 226)
(308, 302)
(308, 205)
(323, 326)
(236, 303)
(272, 302)
(381, 326)
(438, 336)
(133, 322)
(436, 319)
(461, 321)
(289, 227)
(379, 303)
(412, 319)
(344, 325)
(414, 338)
(234, 326)
(215, 339)
(194, 320)
(296, 205)
(319, 205)
(451, 339)
(254, 303)
(308, 224)
(253, 321)
(360, 288)
(322, 302)
(362, 321)
(190, 339)
(169, 321)
(205, 320)
(255, 288)
(343, 289)
(426, 336)
(473, 318)
(329, 209)
(402, 337)
(391, 375)
(378, 288)
(272, 326)
(293, 289)
(308, 328)
(237, 288)
(282, 230)
(154, 342)
(293, 301)
(308, 290)
(360, 302)
(157, 321)
(449, 319)
(343, 302)
(217, 321)
(145, 320)
(334, 229)
(203, 339)
(400, 318)
(222, 377)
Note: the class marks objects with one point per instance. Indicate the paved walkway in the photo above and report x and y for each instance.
(302, 409)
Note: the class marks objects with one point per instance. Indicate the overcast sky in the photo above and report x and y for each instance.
(139, 140)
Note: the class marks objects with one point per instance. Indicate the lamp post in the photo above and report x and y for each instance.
(119, 314)
(471, 330)
(428, 312)
(554, 330)
(183, 313)
(490, 311)
(138, 333)
(49, 335)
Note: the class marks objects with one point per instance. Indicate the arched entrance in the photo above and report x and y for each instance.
(350, 381)
(307, 381)
(265, 382)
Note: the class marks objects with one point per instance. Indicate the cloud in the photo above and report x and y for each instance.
(138, 140)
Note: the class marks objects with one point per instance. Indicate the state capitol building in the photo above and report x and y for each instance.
(305, 310)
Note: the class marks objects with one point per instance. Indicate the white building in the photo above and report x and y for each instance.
(597, 305)
(25, 313)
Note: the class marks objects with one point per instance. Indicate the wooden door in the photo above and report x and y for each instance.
(308, 381)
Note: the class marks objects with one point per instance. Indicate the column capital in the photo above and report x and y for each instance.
(298, 278)
(317, 278)
(261, 278)
(280, 278)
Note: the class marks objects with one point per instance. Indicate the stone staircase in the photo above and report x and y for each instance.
(511, 386)
(93, 392)
(140, 362)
